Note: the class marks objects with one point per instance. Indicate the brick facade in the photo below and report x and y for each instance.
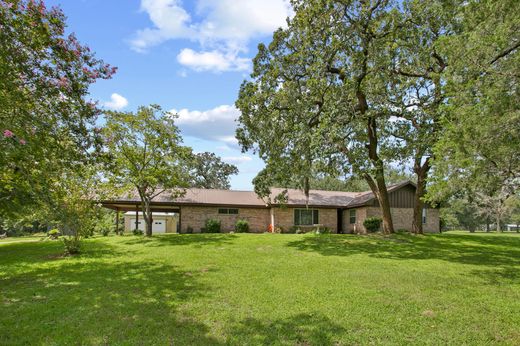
(195, 217)
(401, 217)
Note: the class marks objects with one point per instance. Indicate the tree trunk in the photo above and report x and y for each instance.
(148, 219)
(487, 225)
(379, 190)
(498, 223)
(422, 174)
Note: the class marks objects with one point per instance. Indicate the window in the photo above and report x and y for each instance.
(424, 216)
(305, 217)
(228, 211)
(352, 216)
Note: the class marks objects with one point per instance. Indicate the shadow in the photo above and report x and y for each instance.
(501, 253)
(79, 301)
(176, 239)
(301, 329)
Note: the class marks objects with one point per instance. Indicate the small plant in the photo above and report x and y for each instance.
(372, 224)
(105, 232)
(321, 230)
(72, 245)
(299, 231)
(212, 226)
(402, 231)
(189, 229)
(137, 232)
(294, 229)
(278, 229)
(242, 226)
(53, 233)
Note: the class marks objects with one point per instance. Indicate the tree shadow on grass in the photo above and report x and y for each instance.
(500, 253)
(195, 240)
(301, 329)
(99, 302)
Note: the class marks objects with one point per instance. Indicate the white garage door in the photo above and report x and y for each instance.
(158, 226)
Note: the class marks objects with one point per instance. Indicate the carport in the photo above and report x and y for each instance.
(130, 206)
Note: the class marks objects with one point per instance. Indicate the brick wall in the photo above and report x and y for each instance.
(284, 217)
(195, 217)
(401, 217)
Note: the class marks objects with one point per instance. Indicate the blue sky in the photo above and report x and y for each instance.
(187, 56)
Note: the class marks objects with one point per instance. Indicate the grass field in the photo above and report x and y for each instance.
(263, 289)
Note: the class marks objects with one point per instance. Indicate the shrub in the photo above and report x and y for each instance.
(278, 229)
(401, 231)
(189, 229)
(72, 245)
(105, 232)
(321, 230)
(137, 232)
(53, 233)
(294, 229)
(299, 231)
(242, 226)
(212, 226)
(372, 224)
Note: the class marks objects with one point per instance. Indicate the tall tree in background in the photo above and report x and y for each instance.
(316, 100)
(47, 122)
(210, 172)
(146, 155)
(478, 152)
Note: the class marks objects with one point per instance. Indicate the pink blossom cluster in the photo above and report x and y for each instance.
(10, 134)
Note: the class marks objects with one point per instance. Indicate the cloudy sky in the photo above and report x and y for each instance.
(189, 56)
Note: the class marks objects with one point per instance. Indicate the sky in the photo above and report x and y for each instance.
(188, 56)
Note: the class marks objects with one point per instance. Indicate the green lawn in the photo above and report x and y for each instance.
(455, 288)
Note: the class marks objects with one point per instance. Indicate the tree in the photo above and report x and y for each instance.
(419, 64)
(47, 121)
(316, 100)
(210, 172)
(478, 152)
(146, 156)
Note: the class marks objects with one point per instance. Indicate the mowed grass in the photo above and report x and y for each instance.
(263, 289)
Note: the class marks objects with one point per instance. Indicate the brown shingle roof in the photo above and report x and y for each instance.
(317, 198)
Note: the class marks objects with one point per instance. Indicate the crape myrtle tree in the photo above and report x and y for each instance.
(146, 156)
(47, 121)
(210, 172)
(317, 98)
(478, 152)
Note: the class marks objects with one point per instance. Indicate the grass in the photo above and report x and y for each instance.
(216, 289)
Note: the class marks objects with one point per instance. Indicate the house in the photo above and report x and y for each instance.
(341, 212)
(162, 222)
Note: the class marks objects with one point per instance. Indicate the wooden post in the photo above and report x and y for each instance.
(136, 218)
(117, 220)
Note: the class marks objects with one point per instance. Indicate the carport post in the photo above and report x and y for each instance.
(136, 218)
(117, 220)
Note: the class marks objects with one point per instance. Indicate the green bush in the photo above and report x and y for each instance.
(372, 224)
(137, 232)
(212, 226)
(53, 233)
(242, 226)
(72, 245)
(105, 232)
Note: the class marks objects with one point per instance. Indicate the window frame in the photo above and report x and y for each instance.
(315, 216)
(227, 211)
(350, 216)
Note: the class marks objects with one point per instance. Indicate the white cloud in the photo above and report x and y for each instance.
(117, 102)
(214, 60)
(217, 124)
(237, 159)
(221, 28)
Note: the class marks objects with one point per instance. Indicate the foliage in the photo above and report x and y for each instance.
(137, 231)
(242, 226)
(146, 156)
(72, 245)
(189, 229)
(210, 172)
(212, 226)
(372, 224)
(47, 120)
(54, 233)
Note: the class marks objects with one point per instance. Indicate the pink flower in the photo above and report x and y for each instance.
(63, 82)
(8, 134)
(22, 141)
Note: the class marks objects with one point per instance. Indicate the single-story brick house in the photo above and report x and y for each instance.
(342, 212)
